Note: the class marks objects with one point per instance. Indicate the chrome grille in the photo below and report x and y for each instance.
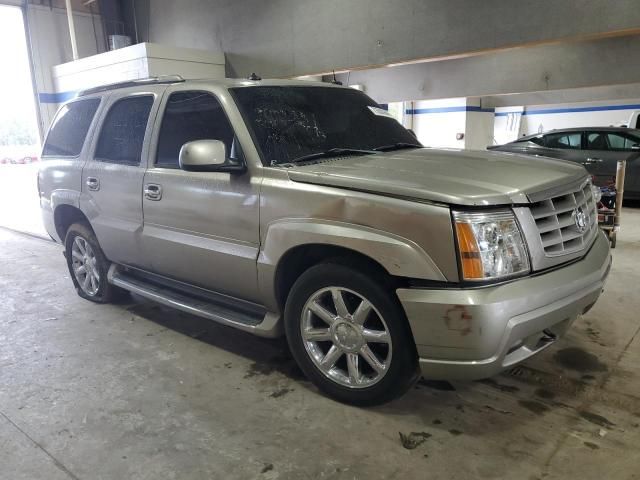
(555, 219)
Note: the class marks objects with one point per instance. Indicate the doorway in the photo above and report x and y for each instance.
(19, 134)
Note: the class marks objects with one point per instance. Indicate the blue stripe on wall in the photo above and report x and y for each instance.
(59, 97)
(420, 111)
(548, 111)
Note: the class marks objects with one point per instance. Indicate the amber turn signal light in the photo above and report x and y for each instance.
(469, 252)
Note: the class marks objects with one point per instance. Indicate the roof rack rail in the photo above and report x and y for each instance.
(160, 79)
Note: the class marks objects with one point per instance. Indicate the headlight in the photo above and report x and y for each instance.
(597, 193)
(490, 245)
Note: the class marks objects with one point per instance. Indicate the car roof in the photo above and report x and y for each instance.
(580, 129)
(590, 129)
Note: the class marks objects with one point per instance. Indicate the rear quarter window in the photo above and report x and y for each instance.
(69, 129)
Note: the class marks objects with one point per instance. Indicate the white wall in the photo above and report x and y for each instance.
(506, 126)
(436, 122)
(541, 118)
(479, 125)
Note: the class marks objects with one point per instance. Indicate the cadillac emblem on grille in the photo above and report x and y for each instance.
(581, 219)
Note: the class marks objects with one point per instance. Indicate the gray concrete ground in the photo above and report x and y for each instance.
(136, 391)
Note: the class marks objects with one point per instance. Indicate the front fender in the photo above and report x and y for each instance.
(399, 256)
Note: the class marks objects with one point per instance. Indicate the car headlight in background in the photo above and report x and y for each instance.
(490, 245)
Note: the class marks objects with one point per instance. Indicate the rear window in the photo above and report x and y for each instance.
(69, 129)
(123, 130)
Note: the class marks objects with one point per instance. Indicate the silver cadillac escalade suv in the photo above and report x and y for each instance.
(304, 209)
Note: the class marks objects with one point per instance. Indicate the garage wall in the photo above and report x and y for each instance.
(540, 118)
(479, 129)
(597, 114)
(298, 37)
(437, 122)
(50, 44)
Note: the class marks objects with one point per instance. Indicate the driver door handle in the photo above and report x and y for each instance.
(591, 160)
(153, 191)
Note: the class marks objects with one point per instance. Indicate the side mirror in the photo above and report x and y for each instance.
(207, 156)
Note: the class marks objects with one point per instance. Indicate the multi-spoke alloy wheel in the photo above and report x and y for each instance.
(88, 265)
(85, 266)
(349, 334)
(346, 337)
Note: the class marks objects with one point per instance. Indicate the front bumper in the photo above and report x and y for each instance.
(467, 334)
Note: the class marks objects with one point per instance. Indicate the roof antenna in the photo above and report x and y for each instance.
(254, 77)
(335, 81)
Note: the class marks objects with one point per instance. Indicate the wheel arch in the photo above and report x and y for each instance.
(297, 260)
(292, 246)
(66, 215)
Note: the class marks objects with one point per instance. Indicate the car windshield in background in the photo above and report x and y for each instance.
(291, 123)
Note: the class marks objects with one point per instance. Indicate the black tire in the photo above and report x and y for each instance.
(401, 371)
(105, 291)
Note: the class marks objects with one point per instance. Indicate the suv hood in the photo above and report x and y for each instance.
(460, 177)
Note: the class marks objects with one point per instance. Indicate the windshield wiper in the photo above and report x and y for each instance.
(397, 146)
(332, 152)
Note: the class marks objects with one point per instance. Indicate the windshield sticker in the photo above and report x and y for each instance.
(381, 112)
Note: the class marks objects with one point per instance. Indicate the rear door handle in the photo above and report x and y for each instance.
(93, 183)
(153, 191)
(593, 160)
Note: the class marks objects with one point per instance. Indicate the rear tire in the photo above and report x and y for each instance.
(349, 335)
(88, 265)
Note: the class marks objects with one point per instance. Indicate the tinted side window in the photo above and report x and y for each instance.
(192, 116)
(537, 140)
(597, 141)
(69, 129)
(563, 140)
(618, 141)
(123, 130)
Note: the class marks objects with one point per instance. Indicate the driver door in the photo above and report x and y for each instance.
(201, 228)
(605, 149)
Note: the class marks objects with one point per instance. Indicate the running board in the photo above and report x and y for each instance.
(261, 323)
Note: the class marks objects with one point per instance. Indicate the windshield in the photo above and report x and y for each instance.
(293, 122)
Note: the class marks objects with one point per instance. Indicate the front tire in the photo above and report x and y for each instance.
(88, 265)
(349, 335)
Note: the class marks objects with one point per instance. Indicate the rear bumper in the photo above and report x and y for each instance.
(468, 334)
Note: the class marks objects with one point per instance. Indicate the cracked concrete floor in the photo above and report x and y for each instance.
(137, 391)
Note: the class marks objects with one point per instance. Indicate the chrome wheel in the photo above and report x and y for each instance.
(85, 266)
(346, 337)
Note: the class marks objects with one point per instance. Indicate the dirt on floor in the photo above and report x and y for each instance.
(139, 391)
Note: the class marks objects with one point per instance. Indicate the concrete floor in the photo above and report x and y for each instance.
(136, 391)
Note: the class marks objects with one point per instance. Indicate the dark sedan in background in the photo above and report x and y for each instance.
(597, 148)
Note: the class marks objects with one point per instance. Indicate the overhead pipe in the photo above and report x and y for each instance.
(72, 30)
